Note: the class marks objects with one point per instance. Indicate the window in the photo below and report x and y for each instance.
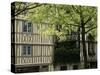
(63, 68)
(44, 68)
(27, 26)
(91, 47)
(75, 67)
(27, 50)
(24, 50)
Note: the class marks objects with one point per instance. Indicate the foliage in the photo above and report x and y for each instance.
(66, 53)
(66, 18)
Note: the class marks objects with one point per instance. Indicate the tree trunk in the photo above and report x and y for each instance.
(84, 46)
(78, 31)
(83, 37)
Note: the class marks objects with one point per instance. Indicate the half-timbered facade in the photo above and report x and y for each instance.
(30, 49)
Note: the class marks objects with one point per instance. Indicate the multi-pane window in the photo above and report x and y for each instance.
(27, 26)
(27, 50)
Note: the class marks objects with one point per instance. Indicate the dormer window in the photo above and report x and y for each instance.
(27, 26)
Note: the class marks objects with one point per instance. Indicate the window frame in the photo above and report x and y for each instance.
(91, 50)
(29, 27)
(27, 51)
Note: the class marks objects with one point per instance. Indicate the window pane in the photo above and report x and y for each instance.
(29, 27)
(24, 26)
(24, 50)
(29, 50)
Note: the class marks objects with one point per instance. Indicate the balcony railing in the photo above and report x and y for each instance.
(27, 38)
(33, 60)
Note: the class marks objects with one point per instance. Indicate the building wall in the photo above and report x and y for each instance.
(68, 66)
(40, 55)
(42, 46)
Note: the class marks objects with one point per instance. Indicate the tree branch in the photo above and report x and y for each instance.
(75, 9)
(19, 7)
(76, 25)
(91, 29)
(90, 25)
(89, 19)
(27, 8)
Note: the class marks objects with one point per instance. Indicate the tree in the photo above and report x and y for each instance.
(82, 19)
(87, 24)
